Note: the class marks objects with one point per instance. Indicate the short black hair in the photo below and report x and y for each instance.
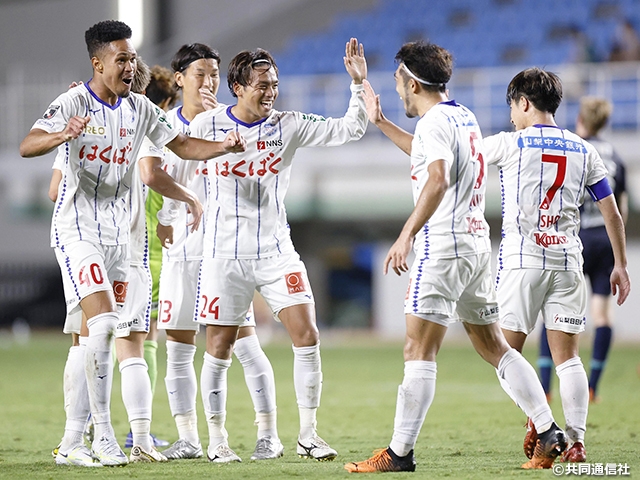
(543, 89)
(103, 33)
(187, 54)
(428, 62)
(242, 65)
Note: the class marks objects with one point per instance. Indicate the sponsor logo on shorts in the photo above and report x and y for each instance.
(566, 319)
(295, 282)
(487, 312)
(120, 291)
(544, 239)
(474, 225)
(127, 324)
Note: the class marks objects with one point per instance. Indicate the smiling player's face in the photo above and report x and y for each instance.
(116, 67)
(258, 98)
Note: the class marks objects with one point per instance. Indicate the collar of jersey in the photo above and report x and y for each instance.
(450, 102)
(184, 120)
(112, 107)
(237, 120)
(540, 125)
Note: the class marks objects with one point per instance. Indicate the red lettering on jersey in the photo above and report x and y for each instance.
(261, 145)
(295, 282)
(273, 164)
(548, 221)
(103, 155)
(544, 239)
(235, 170)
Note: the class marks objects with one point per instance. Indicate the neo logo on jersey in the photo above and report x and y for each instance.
(263, 144)
(295, 282)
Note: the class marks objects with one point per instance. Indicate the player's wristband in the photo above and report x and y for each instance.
(600, 190)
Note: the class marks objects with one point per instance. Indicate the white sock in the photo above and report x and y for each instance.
(574, 392)
(307, 382)
(187, 424)
(182, 388)
(521, 383)
(415, 396)
(76, 397)
(213, 386)
(99, 370)
(137, 399)
(258, 375)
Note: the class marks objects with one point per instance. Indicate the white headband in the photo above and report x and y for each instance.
(418, 79)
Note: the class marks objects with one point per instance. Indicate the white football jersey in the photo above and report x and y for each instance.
(187, 245)
(245, 212)
(97, 172)
(544, 171)
(449, 131)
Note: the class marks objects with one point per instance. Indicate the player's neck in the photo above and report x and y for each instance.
(427, 102)
(189, 112)
(541, 118)
(102, 92)
(245, 115)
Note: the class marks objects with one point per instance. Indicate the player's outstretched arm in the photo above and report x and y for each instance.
(38, 142)
(190, 148)
(397, 135)
(620, 281)
(427, 203)
(156, 178)
(354, 61)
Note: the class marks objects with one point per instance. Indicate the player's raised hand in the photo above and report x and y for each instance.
(234, 143)
(398, 254)
(196, 210)
(372, 103)
(165, 234)
(354, 61)
(209, 100)
(75, 127)
(620, 284)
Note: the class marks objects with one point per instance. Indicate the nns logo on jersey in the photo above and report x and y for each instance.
(264, 144)
(127, 132)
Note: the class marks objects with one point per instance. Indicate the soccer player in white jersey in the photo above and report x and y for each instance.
(99, 127)
(597, 253)
(545, 171)
(451, 276)
(196, 71)
(247, 246)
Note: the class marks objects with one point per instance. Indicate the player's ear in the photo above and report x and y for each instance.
(97, 64)
(237, 89)
(179, 79)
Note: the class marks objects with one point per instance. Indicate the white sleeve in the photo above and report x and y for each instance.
(182, 172)
(58, 162)
(434, 141)
(496, 148)
(315, 130)
(159, 130)
(57, 114)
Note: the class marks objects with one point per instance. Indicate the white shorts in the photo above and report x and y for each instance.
(446, 290)
(73, 322)
(177, 297)
(226, 287)
(135, 314)
(89, 268)
(560, 296)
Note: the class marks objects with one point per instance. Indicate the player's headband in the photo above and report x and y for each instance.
(261, 62)
(418, 79)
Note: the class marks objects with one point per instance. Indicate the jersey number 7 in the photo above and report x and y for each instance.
(561, 162)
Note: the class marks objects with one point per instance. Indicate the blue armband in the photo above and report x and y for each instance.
(600, 190)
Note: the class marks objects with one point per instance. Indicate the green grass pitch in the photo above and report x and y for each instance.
(472, 430)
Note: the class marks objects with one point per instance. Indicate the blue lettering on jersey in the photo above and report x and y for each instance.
(551, 143)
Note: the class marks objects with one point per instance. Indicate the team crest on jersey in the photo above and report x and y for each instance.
(264, 144)
(295, 282)
(269, 129)
(51, 112)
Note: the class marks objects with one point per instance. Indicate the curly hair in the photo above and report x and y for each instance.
(103, 33)
(141, 78)
(162, 86)
(430, 63)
